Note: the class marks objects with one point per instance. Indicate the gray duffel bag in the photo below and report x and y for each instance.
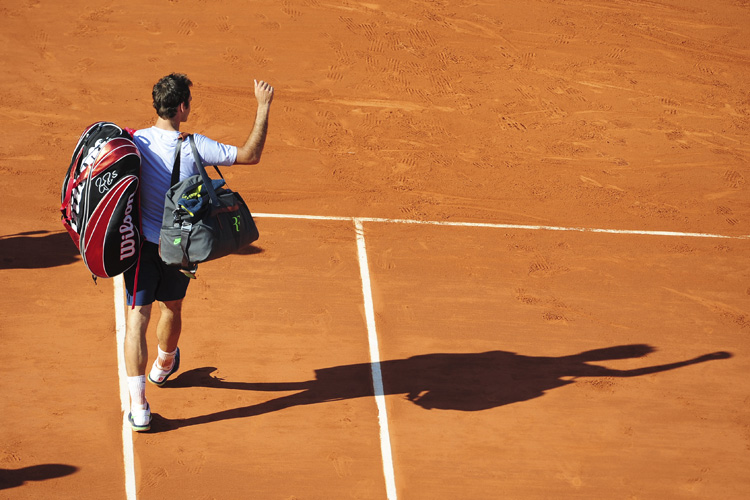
(203, 219)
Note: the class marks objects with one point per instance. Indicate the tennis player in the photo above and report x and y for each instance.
(156, 281)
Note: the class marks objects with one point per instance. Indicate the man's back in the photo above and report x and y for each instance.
(158, 149)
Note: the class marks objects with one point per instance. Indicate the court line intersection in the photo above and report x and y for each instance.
(377, 380)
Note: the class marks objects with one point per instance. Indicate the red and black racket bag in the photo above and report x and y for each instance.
(100, 199)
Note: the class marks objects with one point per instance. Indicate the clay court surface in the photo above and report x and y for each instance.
(519, 358)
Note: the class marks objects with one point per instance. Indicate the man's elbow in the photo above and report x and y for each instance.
(247, 158)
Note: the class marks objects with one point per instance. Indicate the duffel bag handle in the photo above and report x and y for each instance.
(206, 179)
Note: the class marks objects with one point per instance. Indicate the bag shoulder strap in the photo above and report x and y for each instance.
(196, 154)
(176, 166)
(204, 176)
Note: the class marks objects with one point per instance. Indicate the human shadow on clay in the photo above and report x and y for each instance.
(461, 382)
(37, 250)
(12, 478)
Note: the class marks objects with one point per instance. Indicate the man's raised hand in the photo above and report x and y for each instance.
(263, 92)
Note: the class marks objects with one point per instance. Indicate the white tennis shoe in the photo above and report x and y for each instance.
(159, 377)
(140, 420)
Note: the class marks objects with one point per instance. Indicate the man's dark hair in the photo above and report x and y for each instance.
(169, 93)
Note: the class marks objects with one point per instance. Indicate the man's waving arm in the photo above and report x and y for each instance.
(249, 154)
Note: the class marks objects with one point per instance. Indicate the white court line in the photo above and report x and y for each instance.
(127, 432)
(505, 226)
(377, 376)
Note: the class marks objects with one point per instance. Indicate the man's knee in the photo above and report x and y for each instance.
(137, 320)
(173, 307)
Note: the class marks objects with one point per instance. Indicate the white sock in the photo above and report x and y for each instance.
(137, 387)
(165, 358)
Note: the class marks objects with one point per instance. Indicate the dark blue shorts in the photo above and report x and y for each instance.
(156, 280)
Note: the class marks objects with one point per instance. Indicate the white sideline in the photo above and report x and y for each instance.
(127, 437)
(127, 433)
(377, 376)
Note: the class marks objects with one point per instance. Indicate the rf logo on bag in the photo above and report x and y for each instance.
(236, 223)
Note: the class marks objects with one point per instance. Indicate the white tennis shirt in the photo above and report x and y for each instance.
(158, 147)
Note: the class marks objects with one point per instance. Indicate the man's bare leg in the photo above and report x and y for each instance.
(136, 348)
(136, 357)
(168, 331)
(170, 325)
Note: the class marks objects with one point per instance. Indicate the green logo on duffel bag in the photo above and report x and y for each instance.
(236, 223)
(177, 241)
